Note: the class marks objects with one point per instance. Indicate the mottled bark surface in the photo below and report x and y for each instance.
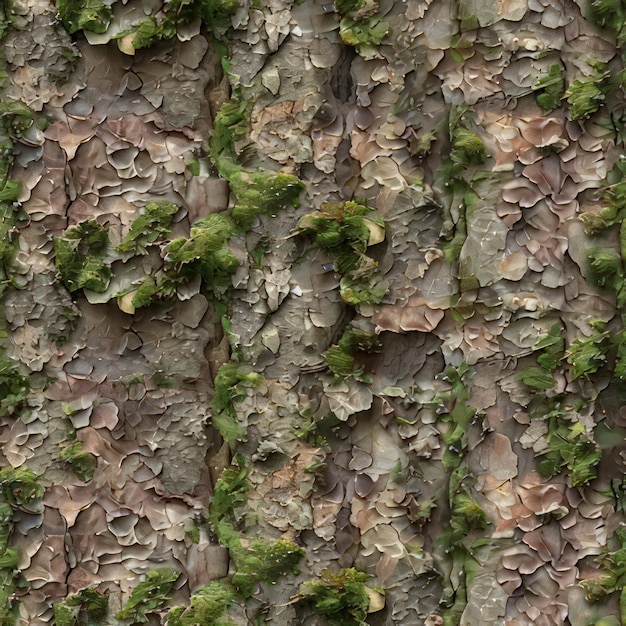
(404, 355)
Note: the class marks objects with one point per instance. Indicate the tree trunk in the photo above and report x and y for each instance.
(313, 312)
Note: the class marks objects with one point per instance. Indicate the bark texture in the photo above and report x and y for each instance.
(313, 312)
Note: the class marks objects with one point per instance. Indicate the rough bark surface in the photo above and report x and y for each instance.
(320, 301)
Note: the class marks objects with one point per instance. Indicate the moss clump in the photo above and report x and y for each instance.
(231, 384)
(550, 88)
(586, 96)
(6, 9)
(263, 193)
(229, 128)
(363, 34)
(229, 497)
(83, 464)
(92, 15)
(609, 14)
(149, 596)
(587, 355)
(14, 386)
(9, 558)
(154, 223)
(80, 256)
(206, 253)
(347, 6)
(209, 605)
(467, 148)
(260, 560)
(175, 14)
(20, 489)
(341, 357)
(459, 415)
(612, 575)
(340, 596)
(85, 608)
(569, 448)
(346, 230)
(254, 560)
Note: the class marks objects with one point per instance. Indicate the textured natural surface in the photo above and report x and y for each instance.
(313, 312)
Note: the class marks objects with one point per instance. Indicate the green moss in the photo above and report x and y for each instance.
(586, 96)
(346, 230)
(175, 14)
(552, 346)
(6, 12)
(205, 253)
(263, 193)
(8, 604)
(550, 88)
(79, 257)
(149, 596)
(467, 148)
(609, 14)
(14, 387)
(208, 606)
(537, 378)
(340, 358)
(459, 175)
(83, 464)
(85, 608)
(232, 382)
(364, 34)
(230, 495)
(340, 596)
(612, 578)
(459, 415)
(154, 223)
(466, 515)
(93, 15)
(587, 355)
(569, 449)
(229, 127)
(346, 6)
(254, 560)
(260, 560)
(20, 489)
(12, 216)
(370, 290)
